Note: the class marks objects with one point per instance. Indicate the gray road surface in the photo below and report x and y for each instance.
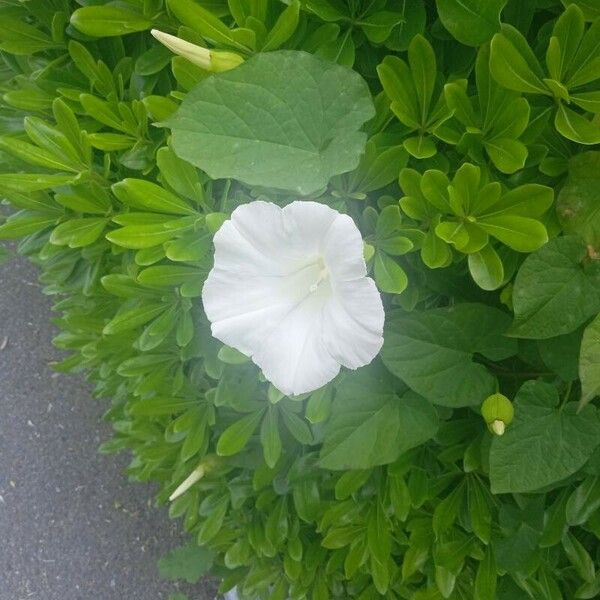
(71, 526)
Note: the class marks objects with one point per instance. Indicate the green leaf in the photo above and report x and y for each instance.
(378, 26)
(203, 21)
(30, 182)
(589, 362)
(519, 233)
(371, 425)
(213, 523)
(579, 557)
(180, 175)
(138, 237)
(269, 437)
(149, 196)
(479, 510)
(583, 502)
(486, 577)
(432, 351)
(168, 275)
(413, 22)
(77, 233)
(105, 21)
(190, 563)
(133, 318)
(297, 426)
(486, 268)
(423, 67)
(24, 223)
(389, 275)
(261, 126)
(576, 127)
(577, 206)
(561, 354)
(236, 436)
(544, 444)
(284, 27)
(471, 22)
(446, 512)
(553, 293)
(511, 64)
(508, 155)
(590, 8)
(318, 407)
(23, 39)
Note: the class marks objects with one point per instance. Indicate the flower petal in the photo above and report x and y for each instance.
(261, 224)
(343, 250)
(353, 322)
(294, 357)
(307, 223)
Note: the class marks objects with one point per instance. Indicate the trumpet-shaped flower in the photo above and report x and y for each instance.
(289, 288)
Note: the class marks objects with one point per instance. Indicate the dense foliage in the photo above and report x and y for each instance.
(467, 159)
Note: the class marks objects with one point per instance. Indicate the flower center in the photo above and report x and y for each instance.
(322, 276)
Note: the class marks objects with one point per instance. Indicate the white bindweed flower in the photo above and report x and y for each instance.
(289, 288)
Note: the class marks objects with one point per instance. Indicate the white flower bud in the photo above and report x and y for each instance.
(210, 60)
(196, 475)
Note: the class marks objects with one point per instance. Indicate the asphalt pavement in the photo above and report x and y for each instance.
(71, 526)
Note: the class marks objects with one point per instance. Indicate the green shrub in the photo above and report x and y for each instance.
(388, 482)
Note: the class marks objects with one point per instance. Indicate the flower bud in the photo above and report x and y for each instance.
(210, 60)
(498, 412)
(208, 463)
(196, 475)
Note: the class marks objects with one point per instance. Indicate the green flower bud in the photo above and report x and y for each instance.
(498, 412)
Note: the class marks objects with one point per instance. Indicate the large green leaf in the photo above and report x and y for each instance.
(544, 444)
(471, 22)
(262, 126)
(432, 351)
(555, 291)
(589, 362)
(371, 425)
(578, 204)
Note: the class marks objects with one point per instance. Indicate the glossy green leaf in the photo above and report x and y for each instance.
(139, 193)
(471, 22)
(512, 63)
(77, 233)
(486, 268)
(104, 21)
(236, 436)
(389, 275)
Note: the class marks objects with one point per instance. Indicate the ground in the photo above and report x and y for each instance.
(72, 527)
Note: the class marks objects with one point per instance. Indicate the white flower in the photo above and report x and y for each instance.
(289, 288)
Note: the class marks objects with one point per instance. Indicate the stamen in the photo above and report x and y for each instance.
(323, 275)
